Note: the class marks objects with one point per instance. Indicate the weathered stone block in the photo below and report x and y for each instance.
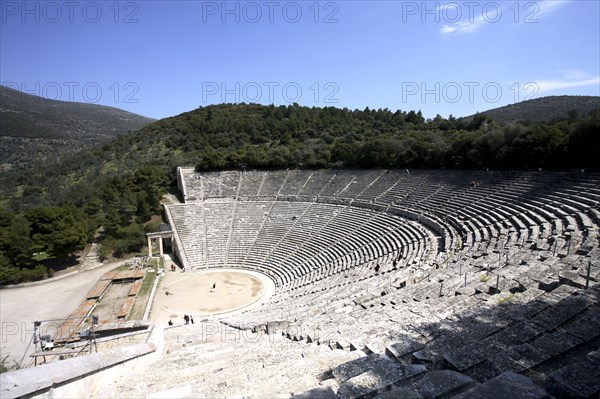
(579, 380)
(506, 386)
(443, 384)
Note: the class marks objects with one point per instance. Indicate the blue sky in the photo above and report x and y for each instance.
(160, 58)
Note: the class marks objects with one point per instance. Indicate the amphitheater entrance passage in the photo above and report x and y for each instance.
(158, 236)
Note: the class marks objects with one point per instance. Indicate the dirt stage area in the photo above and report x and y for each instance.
(193, 294)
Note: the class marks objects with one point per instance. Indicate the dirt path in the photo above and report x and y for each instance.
(193, 294)
(20, 307)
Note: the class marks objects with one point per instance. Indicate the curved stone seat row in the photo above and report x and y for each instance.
(482, 272)
(486, 197)
(290, 240)
(478, 214)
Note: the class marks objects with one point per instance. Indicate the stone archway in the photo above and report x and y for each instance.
(159, 235)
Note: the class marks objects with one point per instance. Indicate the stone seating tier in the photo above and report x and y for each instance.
(468, 276)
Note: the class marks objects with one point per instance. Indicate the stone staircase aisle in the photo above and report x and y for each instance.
(209, 360)
(92, 260)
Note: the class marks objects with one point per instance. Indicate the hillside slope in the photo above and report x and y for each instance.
(544, 109)
(252, 136)
(33, 128)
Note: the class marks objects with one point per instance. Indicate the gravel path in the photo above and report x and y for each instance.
(20, 307)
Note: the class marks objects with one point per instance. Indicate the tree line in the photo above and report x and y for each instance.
(36, 239)
(53, 211)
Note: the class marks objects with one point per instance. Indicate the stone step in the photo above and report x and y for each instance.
(580, 380)
(506, 386)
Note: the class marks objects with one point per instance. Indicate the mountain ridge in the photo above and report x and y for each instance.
(542, 109)
(34, 128)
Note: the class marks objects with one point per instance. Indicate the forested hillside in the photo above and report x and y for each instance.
(34, 129)
(118, 184)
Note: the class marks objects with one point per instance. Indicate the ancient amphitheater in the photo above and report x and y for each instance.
(388, 283)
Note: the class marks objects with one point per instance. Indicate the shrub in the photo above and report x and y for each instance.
(13, 275)
(106, 249)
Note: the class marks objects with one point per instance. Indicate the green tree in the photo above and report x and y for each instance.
(59, 231)
(16, 245)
